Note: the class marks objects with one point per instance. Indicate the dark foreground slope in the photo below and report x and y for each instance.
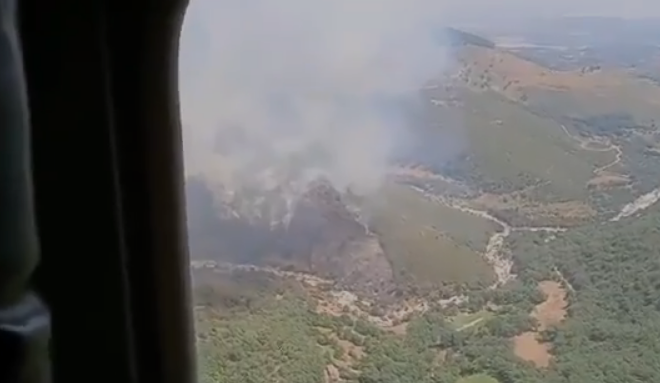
(320, 236)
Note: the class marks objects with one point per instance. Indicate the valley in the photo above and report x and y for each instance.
(529, 255)
(495, 254)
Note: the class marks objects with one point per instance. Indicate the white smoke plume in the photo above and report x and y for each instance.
(277, 93)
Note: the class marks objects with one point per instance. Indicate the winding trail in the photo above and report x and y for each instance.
(494, 253)
(471, 324)
(641, 203)
(584, 145)
(563, 279)
(616, 161)
(339, 299)
(309, 279)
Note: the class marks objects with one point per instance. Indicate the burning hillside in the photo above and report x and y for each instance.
(316, 233)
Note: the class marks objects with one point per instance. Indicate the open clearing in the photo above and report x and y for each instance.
(428, 241)
(548, 313)
(606, 180)
(463, 228)
(464, 321)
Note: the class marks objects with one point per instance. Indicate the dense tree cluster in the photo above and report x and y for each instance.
(612, 333)
(276, 343)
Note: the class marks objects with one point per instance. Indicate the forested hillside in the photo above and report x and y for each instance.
(611, 333)
(531, 254)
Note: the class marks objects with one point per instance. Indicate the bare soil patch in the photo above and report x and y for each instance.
(352, 352)
(399, 329)
(553, 310)
(332, 374)
(393, 318)
(548, 313)
(527, 347)
(608, 180)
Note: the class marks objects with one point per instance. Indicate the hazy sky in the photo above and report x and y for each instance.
(487, 9)
(274, 90)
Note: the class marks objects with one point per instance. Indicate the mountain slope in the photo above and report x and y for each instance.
(322, 236)
(534, 188)
(546, 139)
(511, 155)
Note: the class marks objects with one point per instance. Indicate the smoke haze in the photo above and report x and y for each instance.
(275, 94)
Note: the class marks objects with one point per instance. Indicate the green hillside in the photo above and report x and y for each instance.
(540, 162)
(511, 148)
(429, 242)
(611, 335)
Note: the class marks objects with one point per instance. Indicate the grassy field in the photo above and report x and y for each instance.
(464, 228)
(428, 241)
(512, 148)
